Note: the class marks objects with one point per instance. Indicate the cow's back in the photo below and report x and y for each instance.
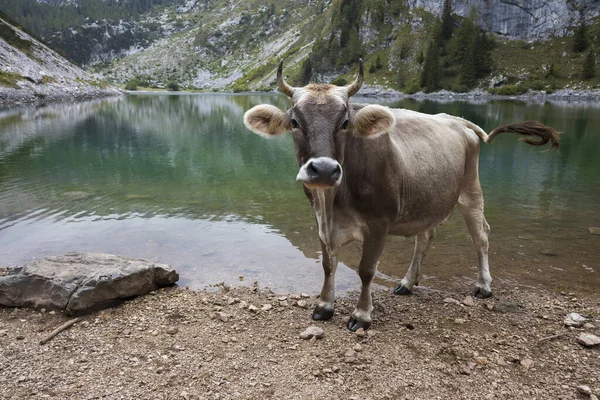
(414, 174)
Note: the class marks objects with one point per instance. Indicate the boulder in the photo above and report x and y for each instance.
(78, 283)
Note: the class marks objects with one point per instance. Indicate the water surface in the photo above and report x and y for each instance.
(178, 179)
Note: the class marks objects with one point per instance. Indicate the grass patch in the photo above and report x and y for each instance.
(10, 79)
(48, 79)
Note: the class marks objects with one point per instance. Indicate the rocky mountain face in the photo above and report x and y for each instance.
(30, 72)
(233, 44)
(520, 19)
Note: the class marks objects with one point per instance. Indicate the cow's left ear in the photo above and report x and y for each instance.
(267, 120)
(373, 120)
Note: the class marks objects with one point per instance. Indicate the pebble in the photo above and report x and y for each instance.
(588, 340)
(266, 307)
(253, 308)
(172, 330)
(464, 370)
(450, 300)
(575, 320)
(357, 347)
(481, 360)
(548, 252)
(459, 321)
(306, 296)
(282, 298)
(583, 389)
(360, 332)
(349, 353)
(587, 325)
(20, 337)
(185, 395)
(593, 397)
(302, 304)
(526, 363)
(468, 301)
(221, 316)
(312, 331)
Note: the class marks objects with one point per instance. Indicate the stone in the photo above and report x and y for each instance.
(282, 298)
(593, 397)
(574, 320)
(549, 253)
(312, 331)
(468, 301)
(583, 389)
(350, 353)
(587, 325)
(459, 321)
(357, 347)
(481, 360)
(79, 283)
(464, 370)
(253, 308)
(450, 300)
(221, 316)
(588, 340)
(594, 230)
(266, 307)
(360, 332)
(172, 330)
(526, 363)
(302, 304)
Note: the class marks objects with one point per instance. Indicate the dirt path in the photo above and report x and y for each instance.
(173, 344)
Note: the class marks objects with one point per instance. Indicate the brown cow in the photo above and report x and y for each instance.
(371, 171)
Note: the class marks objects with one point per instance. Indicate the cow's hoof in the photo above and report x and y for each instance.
(354, 324)
(482, 293)
(402, 291)
(322, 314)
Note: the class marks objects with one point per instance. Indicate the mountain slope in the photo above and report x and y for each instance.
(30, 72)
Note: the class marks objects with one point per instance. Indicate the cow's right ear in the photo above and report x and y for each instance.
(267, 120)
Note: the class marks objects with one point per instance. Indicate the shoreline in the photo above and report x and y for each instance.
(177, 343)
(43, 95)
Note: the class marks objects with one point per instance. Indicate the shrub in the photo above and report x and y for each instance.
(173, 86)
(339, 81)
(132, 84)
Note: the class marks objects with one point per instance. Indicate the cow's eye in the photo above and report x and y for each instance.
(345, 124)
(294, 123)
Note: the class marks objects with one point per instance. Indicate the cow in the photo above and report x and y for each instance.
(370, 171)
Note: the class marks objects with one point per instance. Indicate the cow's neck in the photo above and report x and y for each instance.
(323, 206)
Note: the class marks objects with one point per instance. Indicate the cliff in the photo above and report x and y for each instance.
(31, 73)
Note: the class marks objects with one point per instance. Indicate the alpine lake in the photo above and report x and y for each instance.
(178, 179)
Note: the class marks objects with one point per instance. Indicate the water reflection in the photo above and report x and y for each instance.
(173, 177)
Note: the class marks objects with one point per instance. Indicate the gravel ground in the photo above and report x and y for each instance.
(244, 343)
(39, 95)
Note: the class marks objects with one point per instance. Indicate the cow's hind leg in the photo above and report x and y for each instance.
(422, 242)
(372, 249)
(324, 309)
(470, 204)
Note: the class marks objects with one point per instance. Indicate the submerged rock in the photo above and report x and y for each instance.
(78, 283)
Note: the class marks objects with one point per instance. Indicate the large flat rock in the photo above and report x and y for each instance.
(81, 282)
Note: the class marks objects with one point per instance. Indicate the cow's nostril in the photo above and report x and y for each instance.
(312, 169)
(336, 172)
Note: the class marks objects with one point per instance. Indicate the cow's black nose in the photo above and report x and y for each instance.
(324, 170)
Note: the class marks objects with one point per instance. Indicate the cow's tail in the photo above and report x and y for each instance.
(531, 129)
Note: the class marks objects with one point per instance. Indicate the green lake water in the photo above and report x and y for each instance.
(178, 179)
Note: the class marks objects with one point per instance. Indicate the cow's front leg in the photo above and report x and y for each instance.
(324, 309)
(372, 249)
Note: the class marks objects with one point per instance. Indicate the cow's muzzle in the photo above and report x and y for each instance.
(320, 173)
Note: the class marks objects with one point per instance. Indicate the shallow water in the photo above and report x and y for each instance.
(178, 179)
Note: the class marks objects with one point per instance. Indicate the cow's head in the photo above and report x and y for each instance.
(319, 119)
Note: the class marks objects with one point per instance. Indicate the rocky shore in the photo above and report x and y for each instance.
(39, 95)
(244, 343)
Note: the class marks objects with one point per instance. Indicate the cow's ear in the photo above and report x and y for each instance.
(267, 120)
(373, 120)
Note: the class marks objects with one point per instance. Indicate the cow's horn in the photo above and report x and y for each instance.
(283, 86)
(355, 86)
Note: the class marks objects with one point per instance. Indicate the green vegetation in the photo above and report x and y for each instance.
(589, 66)
(173, 86)
(11, 37)
(48, 79)
(9, 79)
(132, 84)
(580, 39)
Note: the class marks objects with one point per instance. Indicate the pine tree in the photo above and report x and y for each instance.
(305, 72)
(580, 39)
(431, 73)
(589, 66)
(447, 22)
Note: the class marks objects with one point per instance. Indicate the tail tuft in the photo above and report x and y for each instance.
(545, 134)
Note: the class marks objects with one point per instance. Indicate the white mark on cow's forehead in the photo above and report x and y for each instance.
(320, 93)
